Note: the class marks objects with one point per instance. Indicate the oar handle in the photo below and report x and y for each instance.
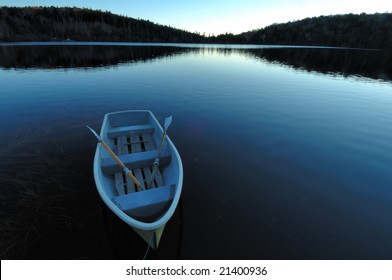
(119, 162)
(168, 121)
(115, 157)
(161, 144)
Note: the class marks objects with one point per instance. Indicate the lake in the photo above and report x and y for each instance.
(287, 151)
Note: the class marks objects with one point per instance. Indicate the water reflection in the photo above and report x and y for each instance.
(347, 62)
(77, 56)
(272, 169)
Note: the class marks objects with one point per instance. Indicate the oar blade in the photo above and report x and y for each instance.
(168, 121)
(95, 134)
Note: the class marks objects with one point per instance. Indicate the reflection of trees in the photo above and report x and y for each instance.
(73, 56)
(347, 62)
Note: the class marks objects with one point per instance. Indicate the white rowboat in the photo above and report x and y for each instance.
(140, 143)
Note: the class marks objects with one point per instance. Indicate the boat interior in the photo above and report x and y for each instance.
(137, 148)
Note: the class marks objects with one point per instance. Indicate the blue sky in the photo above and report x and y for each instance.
(218, 16)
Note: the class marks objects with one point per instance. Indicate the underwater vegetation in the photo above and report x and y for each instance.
(36, 199)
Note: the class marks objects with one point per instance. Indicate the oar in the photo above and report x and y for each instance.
(119, 162)
(168, 121)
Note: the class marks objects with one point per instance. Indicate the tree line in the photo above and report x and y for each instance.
(355, 31)
(51, 23)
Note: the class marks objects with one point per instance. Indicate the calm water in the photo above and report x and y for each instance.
(287, 152)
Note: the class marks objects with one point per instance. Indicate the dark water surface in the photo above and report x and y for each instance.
(287, 152)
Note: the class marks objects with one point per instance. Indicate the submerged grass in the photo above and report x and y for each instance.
(33, 196)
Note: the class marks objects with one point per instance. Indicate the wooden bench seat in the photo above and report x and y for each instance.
(146, 203)
(136, 160)
(130, 130)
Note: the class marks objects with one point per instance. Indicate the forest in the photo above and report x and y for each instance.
(57, 24)
(355, 31)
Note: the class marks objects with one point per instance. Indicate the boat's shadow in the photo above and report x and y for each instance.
(125, 243)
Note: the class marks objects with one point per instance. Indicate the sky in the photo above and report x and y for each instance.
(214, 17)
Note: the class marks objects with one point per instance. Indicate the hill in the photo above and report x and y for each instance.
(50, 23)
(355, 31)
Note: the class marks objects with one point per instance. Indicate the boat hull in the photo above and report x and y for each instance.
(134, 136)
(151, 237)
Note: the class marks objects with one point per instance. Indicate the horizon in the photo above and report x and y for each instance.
(212, 18)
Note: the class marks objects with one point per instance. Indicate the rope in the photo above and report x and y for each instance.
(148, 246)
(148, 249)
